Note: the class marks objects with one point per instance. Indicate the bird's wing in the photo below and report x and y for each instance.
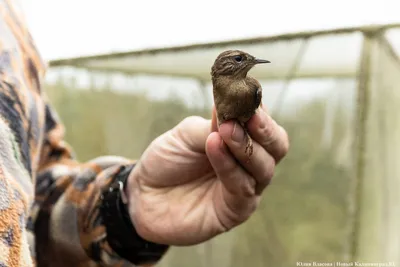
(258, 96)
(256, 88)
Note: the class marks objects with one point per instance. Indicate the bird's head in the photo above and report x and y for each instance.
(234, 63)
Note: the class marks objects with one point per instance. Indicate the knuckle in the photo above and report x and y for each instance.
(275, 140)
(283, 148)
(190, 120)
(285, 139)
(185, 126)
(269, 169)
(269, 134)
(252, 208)
(247, 187)
(265, 180)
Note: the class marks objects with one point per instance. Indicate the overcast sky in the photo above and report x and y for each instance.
(66, 28)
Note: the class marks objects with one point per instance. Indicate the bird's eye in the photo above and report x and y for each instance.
(238, 58)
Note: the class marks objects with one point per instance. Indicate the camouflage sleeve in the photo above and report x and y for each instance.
(49, 202)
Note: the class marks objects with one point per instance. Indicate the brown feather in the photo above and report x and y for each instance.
(236, 95)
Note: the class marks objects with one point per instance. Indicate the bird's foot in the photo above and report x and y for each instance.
(249, 147)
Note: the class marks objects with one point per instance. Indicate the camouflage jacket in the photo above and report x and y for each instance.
(49, 202)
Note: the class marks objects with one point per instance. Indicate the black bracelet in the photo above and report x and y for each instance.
(121, 234)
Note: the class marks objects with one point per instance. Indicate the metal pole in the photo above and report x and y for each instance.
(362, 108)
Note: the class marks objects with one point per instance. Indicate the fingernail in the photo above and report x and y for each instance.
(237, 133)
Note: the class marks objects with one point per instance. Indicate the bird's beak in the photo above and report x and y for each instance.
(261, 61)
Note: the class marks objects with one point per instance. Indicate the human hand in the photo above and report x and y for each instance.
(195, 181)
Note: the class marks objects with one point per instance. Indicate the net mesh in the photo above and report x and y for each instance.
(333, 198)
(379, 201)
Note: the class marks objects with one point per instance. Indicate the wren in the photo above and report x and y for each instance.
(237, 96)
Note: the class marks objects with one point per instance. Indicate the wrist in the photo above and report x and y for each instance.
(130, 187)
(129, 184)
(121, 233)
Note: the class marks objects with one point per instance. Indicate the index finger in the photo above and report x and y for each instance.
(269, 134)
(214, 121)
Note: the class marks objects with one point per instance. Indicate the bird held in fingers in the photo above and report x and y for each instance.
(236, 95)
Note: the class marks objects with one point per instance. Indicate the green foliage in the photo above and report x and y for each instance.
(303, 215)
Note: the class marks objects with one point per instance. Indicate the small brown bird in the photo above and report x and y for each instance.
(236, 95)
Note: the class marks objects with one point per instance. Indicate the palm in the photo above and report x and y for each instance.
(182, 189)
